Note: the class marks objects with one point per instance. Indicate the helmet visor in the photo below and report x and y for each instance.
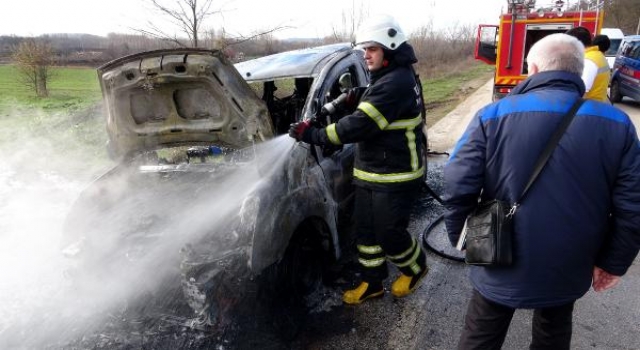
(367, 44)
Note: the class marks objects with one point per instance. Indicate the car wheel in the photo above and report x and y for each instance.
(614, 91)
(292, 280)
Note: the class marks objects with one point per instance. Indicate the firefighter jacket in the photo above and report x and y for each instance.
(387, 127)
(582, 211)
(598, 90)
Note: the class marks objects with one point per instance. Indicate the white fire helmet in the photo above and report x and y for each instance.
(382, 30)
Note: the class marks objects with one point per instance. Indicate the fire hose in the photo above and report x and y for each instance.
(427, 231)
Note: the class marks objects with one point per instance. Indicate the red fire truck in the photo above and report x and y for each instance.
(506, 45)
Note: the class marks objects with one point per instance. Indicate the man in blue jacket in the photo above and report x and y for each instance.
(579, 224)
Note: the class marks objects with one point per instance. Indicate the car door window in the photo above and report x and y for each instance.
(333, 91)
(635, 51)
(285, 100)
(337, 161)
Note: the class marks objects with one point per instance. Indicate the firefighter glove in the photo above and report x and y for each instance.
(353, 97)
(302, 131)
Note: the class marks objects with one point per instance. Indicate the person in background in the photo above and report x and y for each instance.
(389, 169)
(596, 72)
(579, 225)
(602, 42)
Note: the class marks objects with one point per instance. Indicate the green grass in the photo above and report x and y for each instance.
(70, 89)
(444, 93)
(69, 123)
(444, 88)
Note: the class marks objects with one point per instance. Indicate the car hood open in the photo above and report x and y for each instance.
(179, 97)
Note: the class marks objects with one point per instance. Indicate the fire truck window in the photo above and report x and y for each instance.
(532, 36)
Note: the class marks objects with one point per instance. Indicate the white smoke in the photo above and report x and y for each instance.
(39, 183)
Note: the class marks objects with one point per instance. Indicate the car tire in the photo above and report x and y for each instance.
(289, 282)
(614, 91)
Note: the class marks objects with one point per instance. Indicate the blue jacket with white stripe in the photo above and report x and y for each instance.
(582, 211)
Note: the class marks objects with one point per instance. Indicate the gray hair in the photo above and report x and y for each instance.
(557, 52)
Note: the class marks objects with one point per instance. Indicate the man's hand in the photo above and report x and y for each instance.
(602, 280)
(298, 130)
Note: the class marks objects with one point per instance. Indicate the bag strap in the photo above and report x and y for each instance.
(546, 153)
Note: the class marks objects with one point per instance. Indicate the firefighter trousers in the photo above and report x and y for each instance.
(381, 220)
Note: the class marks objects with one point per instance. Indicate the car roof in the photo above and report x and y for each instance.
(632, 37)
(291, 64)
(612, 33)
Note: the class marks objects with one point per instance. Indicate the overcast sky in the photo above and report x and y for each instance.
(308, 18)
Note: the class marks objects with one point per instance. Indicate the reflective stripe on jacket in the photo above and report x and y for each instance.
(387, 127)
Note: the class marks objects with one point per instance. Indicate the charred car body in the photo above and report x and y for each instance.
(196, 199)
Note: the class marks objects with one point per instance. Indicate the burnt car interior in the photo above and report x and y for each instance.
(284, 103)
(286, 99)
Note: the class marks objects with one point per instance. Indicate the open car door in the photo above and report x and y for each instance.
(486, 43)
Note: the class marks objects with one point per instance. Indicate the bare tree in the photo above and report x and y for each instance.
(350, 21)
(187, 15)
(34, 60)
(623, 14)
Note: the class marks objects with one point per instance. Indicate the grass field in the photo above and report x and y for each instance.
(71, 89)
(443, 94)
(68, 123)
(443, 88)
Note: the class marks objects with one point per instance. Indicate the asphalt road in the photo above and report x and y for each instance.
(432, 317)
(632, 108)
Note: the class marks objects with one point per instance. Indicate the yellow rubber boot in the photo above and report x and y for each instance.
(363, 292)
(405, 285)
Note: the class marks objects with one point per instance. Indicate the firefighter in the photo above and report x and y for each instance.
(596, 71)
(389, 169)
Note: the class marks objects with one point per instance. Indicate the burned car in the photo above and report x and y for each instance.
(210, 201)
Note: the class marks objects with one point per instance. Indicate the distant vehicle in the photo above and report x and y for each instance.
(180, 122)
(615, 37)
(625, 79)
(506, 45)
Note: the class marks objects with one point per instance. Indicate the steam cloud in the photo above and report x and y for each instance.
(40, 307)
